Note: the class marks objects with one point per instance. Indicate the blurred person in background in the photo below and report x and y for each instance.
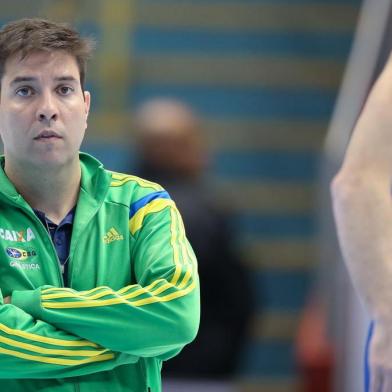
(172, 151)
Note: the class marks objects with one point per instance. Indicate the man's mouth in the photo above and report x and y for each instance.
(47, 135)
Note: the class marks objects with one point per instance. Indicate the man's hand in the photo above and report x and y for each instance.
(7, 300)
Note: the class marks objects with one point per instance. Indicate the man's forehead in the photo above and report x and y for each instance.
(58, 64)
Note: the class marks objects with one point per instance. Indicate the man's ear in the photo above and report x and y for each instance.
(87, 101)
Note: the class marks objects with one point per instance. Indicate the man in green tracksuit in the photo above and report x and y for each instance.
(98, 282)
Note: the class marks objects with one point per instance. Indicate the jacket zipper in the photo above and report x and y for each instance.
(47, 231)
(61, 266)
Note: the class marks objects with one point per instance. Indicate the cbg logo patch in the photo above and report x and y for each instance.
(20, 258)
(20, 254)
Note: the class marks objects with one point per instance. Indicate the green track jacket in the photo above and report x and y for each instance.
(132, 299)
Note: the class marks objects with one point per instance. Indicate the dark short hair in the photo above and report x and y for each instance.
(25, 36)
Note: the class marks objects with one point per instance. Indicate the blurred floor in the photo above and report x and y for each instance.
(197, 386)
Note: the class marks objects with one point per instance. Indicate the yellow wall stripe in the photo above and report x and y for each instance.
(274, 325)
(268, 197)
(283, 135)
(290, 254)
(113, 64)
(248, 17)
(258, 71)
(286, 135)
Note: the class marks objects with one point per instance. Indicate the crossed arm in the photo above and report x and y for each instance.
(52, 330)
(361, 193)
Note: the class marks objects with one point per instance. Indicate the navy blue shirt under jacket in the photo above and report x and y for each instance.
(61, 236)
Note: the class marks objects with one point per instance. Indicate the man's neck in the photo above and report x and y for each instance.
(53, 191)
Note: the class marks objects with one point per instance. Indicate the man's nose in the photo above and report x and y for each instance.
(47, 109)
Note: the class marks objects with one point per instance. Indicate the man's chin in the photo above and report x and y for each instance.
(53, 160)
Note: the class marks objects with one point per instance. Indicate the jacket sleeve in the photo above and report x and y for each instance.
(31, 348)
(155, 317)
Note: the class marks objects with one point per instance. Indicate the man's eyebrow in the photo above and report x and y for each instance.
(20, 79)
(66, 79)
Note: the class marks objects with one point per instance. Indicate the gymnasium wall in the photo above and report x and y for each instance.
(264, 75)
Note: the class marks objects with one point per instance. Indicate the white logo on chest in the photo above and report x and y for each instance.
(17, 236)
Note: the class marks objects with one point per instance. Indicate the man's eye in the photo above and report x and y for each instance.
(24, 92)
(65, 90)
